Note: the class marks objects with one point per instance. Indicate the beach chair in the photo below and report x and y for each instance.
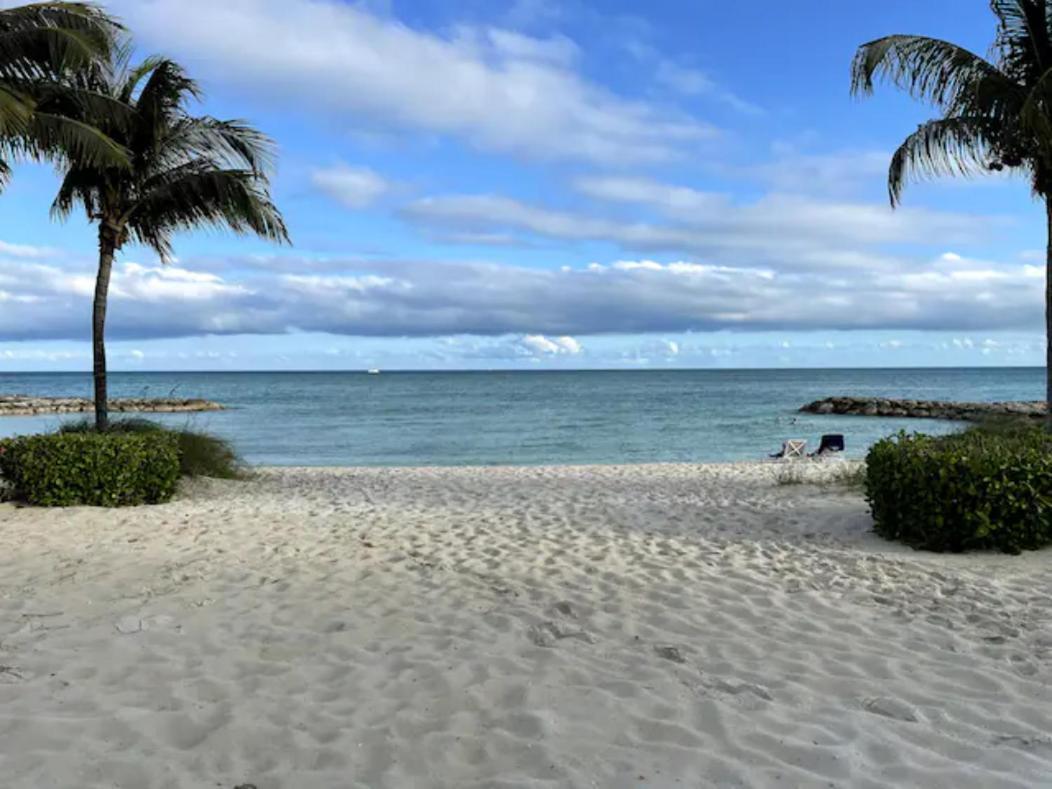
(792, 449)
(830, 445)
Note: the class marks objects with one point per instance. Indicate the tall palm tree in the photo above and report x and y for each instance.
(996, 113)
(186, 172)
(41, 46)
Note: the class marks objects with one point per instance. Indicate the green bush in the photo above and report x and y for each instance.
(989, 487)
(200, 454)
(96, 469)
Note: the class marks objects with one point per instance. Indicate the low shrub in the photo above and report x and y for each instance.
(200, 454)
(988, 487)
(96, 469)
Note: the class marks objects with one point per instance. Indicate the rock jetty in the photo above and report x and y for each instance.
(924, 409)
(24, 405)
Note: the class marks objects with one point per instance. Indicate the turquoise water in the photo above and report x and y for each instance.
(484, 418)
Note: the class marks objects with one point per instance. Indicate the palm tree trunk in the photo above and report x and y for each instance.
(107, 249)
(1048, 312)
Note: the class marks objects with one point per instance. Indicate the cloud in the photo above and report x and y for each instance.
(684, 80)
(694, 82)
(781, 231)
(351, 187)
(24, 251)
(835, 173)
(541, 345)
(547, 309)
(499, 90)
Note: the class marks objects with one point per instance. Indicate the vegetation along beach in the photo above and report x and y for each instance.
(424, 394)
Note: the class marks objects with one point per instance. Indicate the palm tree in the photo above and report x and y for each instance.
(41, 46)
(186, 172)
(996, 113)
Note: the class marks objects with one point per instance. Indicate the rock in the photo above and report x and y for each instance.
(23, 405)
(923, 409)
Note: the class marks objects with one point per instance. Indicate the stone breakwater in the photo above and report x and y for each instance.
(22, 405)
(924, 409)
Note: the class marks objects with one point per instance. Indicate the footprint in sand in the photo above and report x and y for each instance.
(128, 625)
(1023, 741)
(566, 608)
(670, 653)
(743, 687)
(890, 708)
(546, 634)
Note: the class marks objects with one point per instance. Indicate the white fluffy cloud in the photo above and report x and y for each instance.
(541, 345)
(351, 187)
(499, 90)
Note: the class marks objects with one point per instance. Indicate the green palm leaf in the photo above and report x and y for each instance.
(949, 146)
(946, 75)
(47, 51)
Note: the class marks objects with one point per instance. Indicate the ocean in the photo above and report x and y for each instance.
(530, 417)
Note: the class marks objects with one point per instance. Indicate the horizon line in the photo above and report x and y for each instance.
(366, 370)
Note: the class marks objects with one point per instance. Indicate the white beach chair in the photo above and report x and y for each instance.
(793, 449)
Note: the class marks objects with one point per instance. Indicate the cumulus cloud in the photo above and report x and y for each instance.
(497, 89)
(547, 309)
(351, 187)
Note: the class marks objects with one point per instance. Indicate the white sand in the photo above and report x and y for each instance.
(647, 626)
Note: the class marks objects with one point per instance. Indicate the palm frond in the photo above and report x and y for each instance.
(166, 90)
(231, 199)
(129, 81)
(106, 111)
(60, 136)
(16, 110)
(46, 39)
(1035, 116)
(1023, 37)
(948, 76)
(232, 144)
(80, 186)
(949, 146)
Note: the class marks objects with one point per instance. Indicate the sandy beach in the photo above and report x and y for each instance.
(619, 626)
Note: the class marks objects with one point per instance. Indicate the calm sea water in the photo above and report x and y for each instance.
(483, 418)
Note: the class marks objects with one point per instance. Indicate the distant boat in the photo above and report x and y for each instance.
(373, 372)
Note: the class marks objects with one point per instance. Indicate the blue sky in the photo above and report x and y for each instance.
(541, 184)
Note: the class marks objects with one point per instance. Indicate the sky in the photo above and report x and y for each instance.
(549, 184)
